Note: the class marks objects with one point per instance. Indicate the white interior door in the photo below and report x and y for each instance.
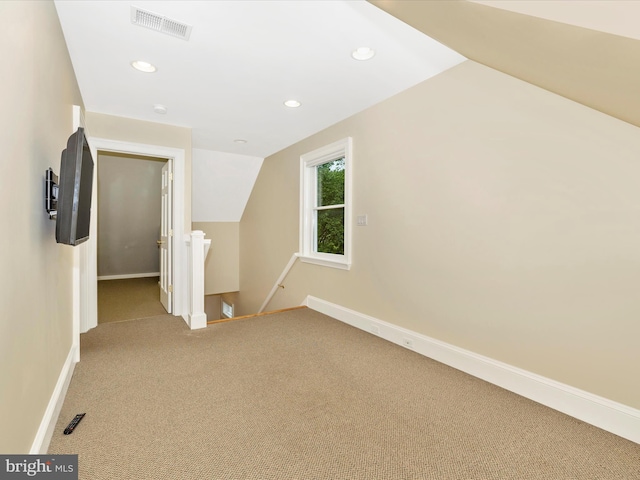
(166, 238)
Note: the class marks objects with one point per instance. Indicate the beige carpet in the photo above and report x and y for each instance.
(298, 395)
(128, 299)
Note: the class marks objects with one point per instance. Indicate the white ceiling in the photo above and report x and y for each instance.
(242, 61)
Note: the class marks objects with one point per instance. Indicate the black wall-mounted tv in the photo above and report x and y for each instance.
(75, 184)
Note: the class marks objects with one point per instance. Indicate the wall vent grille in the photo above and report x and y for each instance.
(159, 23)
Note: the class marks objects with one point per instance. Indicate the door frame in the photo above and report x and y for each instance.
(87, 317)
(166, 241)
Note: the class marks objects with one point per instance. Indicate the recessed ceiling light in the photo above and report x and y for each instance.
(363, 53)
(292, 103)
(240, 140)
(145, 67)
(160, 109)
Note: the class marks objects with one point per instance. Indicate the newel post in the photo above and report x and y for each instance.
(197, 316)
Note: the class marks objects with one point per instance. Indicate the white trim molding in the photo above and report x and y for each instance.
(603, 413)
(41, 442)
(308, 204)
(179, 259)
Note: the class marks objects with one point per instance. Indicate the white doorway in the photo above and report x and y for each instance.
(129, 207)
(129, 211)
(87, 317)
(166, 237)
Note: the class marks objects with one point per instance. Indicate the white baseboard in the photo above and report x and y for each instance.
(130, 275)
(48, 423)
(598, 411)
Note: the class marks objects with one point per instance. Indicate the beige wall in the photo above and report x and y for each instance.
(37, 92)
(582, 64)
(137, 131)
(221, 266)
(503, 219)
(212, 307)
(129, 191)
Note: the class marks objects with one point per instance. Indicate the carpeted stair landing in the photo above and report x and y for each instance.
(298, 395)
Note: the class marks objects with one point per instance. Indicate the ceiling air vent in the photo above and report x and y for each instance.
(159, 23)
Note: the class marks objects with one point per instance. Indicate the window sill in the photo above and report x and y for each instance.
(326, 262)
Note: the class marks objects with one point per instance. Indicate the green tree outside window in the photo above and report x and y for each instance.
(330, 207)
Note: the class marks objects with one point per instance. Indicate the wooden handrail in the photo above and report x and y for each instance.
(279, 281)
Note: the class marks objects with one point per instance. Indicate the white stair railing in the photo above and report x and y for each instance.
(278, 283)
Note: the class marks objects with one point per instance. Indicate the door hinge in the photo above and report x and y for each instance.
(171, 232)
(170, 288)
(171, 176)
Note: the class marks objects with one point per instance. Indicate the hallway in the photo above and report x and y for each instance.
(128, 299)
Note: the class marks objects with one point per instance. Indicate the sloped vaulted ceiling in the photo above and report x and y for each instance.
(597, 69)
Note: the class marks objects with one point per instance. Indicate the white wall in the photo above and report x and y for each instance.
(222, 183)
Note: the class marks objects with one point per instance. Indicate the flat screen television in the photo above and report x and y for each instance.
(75, 183)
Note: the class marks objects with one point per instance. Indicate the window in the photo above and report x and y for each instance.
(325, 205)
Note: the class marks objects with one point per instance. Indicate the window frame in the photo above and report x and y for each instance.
(308, 198)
